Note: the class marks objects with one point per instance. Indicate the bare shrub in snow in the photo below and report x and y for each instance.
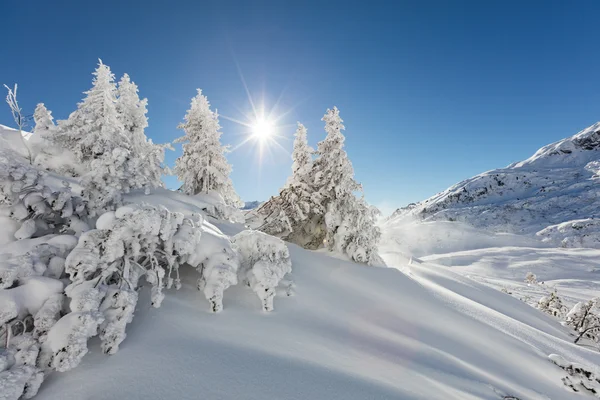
(580, 378)
(264, 261)
(584, 318)
(19, 118)
(203, 167)
(530, 278)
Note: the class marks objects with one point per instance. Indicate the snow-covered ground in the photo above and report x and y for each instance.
(418, 330)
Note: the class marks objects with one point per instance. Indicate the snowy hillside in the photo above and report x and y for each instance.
(350, 332)
(558, 184)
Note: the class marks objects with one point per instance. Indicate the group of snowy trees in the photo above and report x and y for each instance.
(67, 281)
(106, 137)
(583, 318)
(318, 206)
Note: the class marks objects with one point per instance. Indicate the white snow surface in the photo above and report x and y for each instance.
(416, 330)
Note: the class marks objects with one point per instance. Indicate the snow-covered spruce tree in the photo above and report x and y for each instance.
(264, 261)
(44, 122)
(147, 157)
(96, 136)
(349, 223)
(286, 215)
(203, 167)
(584, 319)
(94, 127)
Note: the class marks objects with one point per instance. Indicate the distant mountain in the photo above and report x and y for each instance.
(555, 192)
(250, 205)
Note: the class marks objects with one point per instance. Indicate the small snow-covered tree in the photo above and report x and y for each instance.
(530, 278)
(552, 304)
(203, 167)
(147, 157)
(265, 260)
(44, 122)
(584, 318)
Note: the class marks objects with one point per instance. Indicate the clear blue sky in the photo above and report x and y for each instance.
(431, 92)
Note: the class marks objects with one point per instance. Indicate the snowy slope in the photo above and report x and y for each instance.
(559, 183)
(351, 332)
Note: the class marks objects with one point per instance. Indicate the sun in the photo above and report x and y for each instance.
(263, 129)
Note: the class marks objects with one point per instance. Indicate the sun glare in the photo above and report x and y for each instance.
(262, 129)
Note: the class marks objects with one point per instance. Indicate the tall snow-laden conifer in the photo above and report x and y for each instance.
(349, 223)
(147, 157)
(94, 128)
(285, 215)
(95, 134)
(203, 167)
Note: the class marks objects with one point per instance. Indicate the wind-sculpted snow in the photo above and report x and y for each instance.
(352, 332)
(560, 183)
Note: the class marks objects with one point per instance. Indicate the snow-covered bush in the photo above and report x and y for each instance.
(531, 278)
(580, 378)
(584, 319)
(39, 209)
(108, 262)
(31, 303)
(264, 261)
(552, 304)
(218, 263)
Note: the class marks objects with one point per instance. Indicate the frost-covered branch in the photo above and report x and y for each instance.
(17, 113)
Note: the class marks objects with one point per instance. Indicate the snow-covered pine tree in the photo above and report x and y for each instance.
(285, 215)
(94, 127)
(96, 135)
(584, 318)
(147, 157)
(301, 156)
(203, 167)
(552, 304)
(44, 122)
(349, 223)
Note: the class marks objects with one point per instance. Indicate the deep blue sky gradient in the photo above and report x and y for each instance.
(431, 92)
